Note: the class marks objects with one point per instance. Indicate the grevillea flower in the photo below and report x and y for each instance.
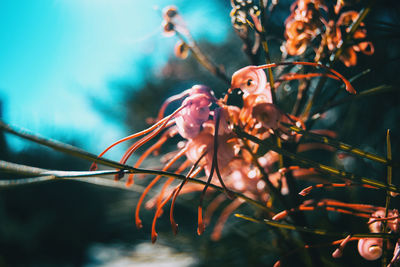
(252, 80)
(370, 248)
(303, 25)
(203, 142)
(210, 146)
(392, 221)
(306, 23)
(298, 45)
(258, 112)
(190, 120)
(349, 57)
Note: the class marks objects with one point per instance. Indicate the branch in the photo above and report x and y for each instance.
(80, 153)
(314, 230)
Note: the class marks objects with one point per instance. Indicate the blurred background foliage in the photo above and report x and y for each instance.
(69, 223)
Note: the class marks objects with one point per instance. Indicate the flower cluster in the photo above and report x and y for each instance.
(349, 56)
(246, 146)
(307, 26)
(303, 25)
(207, 126)
(236, 144)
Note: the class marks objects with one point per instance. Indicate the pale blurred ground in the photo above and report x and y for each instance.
(142, 255)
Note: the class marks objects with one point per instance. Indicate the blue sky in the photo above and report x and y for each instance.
(55, 54)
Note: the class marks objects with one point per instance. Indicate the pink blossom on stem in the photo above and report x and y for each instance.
(192, 117)
(370, 248)
(252, 80)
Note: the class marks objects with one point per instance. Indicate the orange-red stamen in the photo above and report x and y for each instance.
(295, 76)
(156, 215)
(200, 227)
(169, 181)
(152, 183)
(144, 140)
(155, 146)
(216, 235)
(307, 190)
(169, 101)
(212, 207)
(174, 225)
(93, 167)
(349, 87)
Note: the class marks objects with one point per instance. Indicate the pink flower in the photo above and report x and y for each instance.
(195, 113)
(393, 221)
(370, 248)
(204, 142)
(252, 80)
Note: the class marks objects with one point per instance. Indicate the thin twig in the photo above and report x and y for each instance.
(388, 196)
(314, 230)
(266, 50)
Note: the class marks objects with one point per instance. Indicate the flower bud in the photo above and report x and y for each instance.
(370, 248)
